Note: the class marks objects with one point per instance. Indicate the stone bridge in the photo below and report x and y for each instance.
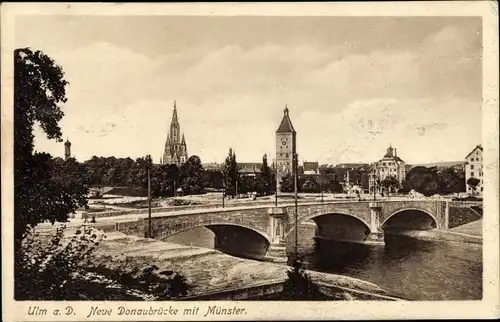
(263, 231)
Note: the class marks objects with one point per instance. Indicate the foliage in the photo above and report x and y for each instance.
(299, 286)
(451, 180)
(192, 177)
(214, 179)
(39, 92)
(473, 183)
(390, 183)
(287, 183)
(310, 185)
(52, 265)
(63, 269)
(165, 179)
(423, 180)
(158, 285)
(265, 180)
(430, 181)
(231, 173)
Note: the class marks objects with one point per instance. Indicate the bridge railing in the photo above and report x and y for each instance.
(207, 208)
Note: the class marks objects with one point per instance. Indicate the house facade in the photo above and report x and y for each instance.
(474, 169)
(391, 165)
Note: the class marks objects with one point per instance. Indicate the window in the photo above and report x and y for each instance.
(481, 188)
(286, 155)
(472, 174)
(472, 166)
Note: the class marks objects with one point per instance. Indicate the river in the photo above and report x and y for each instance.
(405, 267)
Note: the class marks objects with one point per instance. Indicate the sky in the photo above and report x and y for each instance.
(353, 85)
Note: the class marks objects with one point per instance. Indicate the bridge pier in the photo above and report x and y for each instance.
(278, 218)
(376, 235)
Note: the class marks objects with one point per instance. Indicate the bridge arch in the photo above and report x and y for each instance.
(394, 214)
(336, 225)
(169, 233)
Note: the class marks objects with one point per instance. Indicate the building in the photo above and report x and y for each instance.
(389, 166)
(286, 147)
(67, 149)
(351, 166)
(474, 169)
(310, 167)
(175, 151)
(213, 166)
(250, 169)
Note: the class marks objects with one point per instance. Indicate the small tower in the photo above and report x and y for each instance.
(67, 149)
(285, 147)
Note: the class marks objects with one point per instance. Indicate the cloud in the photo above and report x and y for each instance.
(421, 129)
(346, 105)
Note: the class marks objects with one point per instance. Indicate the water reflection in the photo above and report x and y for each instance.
(405, 267)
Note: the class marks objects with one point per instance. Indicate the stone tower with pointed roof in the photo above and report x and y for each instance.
(286, 147)
(175, 151)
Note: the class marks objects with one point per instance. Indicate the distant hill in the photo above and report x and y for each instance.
(446, 164)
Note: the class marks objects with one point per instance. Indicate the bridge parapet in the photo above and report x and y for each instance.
(465, 204)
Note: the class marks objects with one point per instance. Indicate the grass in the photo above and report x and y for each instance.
(462, 216)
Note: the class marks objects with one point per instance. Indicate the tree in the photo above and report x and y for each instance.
(473, 183)
(65, 269)
(52, 266)
(46, 189)
(310, 185)
(231, 173)
(390, 183)
(214, 179)
(287, 183)
(332, 183)
(192, 177)
(265, 182)
(39, 92)
(423, 180)
(451, 181)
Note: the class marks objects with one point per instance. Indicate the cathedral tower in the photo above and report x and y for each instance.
(175, 151)
(286, 147)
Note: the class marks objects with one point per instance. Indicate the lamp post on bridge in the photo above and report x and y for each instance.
(276, 181)
(321, 184)
(374, 182)
(149, 165)
(224, 184)
(295, 179)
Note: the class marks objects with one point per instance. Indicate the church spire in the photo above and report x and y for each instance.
(183, 142)
(174, 115)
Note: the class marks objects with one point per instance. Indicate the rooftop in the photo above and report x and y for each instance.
(286, 124)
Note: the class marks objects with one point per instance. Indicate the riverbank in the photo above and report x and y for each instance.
(474, 228)
(468, 233)
(215, 275)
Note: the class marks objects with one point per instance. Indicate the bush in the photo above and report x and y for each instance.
(61, 268)
(299, 286)
(52, 264)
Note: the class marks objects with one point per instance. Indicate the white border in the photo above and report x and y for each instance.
(488, 307)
